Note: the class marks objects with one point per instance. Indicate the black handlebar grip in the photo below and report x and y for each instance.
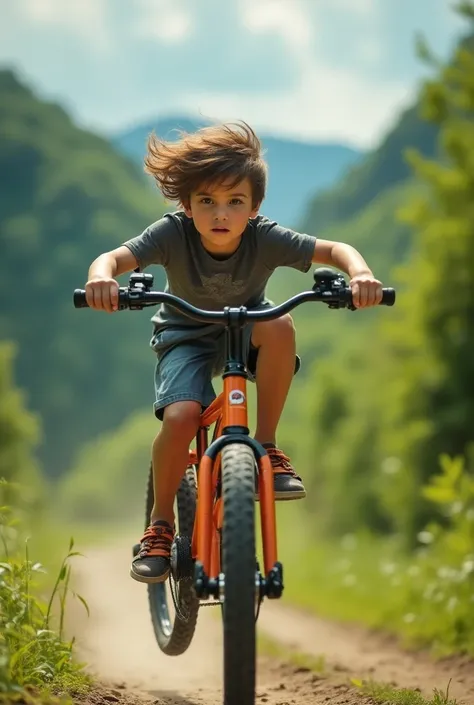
(80, 299)
(388, 297)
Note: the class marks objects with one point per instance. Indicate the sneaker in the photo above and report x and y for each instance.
(152, 561)
(287, 484)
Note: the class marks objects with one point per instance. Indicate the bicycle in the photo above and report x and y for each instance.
(213, 557)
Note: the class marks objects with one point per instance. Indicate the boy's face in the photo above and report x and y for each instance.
(221, 214)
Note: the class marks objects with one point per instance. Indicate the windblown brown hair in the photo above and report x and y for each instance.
(212, 155)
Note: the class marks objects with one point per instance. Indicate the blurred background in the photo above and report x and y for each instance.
(365, 109)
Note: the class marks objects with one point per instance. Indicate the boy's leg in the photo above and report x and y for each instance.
(183, 386)
(276, 345)
(169, 461)
(170, 456)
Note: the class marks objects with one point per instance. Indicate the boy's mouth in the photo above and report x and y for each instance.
(220, 230)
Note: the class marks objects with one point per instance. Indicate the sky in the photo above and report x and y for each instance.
(324, 70)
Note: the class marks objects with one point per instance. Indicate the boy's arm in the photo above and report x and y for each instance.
(101, 287)
(366, 289)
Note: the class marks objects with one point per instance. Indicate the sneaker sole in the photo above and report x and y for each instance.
(150, 580)
(286, 496)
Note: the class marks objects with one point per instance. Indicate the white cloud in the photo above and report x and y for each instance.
(285, 17)
(357, 7)
(321, 69)
(86, 18)
(163, 20)
(328, 104)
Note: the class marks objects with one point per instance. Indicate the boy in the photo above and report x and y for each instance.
(216, 251)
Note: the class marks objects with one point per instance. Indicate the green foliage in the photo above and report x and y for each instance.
(442, 572)
(386, 694)
(33, 653)
(109, 476)
(401, 393)
(425, 596)
(19, 431)
(432, 335)
(66, 197)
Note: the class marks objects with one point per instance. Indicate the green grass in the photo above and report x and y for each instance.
(345, 580)
(380, 693)
(388, 695)
(426, 598)
(36, 658)
(270, 647)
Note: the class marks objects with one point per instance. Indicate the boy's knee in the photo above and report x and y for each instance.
(285, 323)
(277, 329)
(181, 419)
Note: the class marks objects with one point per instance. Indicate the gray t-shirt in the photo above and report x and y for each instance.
(209, 283)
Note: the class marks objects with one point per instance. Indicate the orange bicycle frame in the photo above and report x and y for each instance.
(229, 413)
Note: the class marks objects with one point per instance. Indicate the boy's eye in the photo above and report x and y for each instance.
(206, 200)
(236, 201)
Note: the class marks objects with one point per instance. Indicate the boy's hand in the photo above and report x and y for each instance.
(102, 293)
(366, 290)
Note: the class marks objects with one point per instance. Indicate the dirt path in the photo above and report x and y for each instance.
(119, 644)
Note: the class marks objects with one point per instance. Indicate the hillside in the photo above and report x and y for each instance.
(383, 168)
(297, 169)
(66, 196)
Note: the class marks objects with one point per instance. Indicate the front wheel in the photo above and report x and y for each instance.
(174, 628)
(238, 566)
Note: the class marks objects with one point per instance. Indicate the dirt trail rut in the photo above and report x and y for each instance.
(118, 642)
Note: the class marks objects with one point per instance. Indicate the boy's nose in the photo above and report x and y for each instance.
(220, 214)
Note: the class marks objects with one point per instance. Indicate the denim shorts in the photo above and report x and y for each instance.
(187, 361)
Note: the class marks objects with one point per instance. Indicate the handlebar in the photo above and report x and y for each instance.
(329, 288)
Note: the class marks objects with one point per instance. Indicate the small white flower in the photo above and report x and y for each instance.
(413, 571)
(409, 618)
(387, 568)
(429, 590)
(390, 466)
(349, 580)
(452, 602)
(425, 537)
(457, 507)
(468, 566)
(349, 542)
(344, 565)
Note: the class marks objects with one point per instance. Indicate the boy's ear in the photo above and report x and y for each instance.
(254, 211)
(187, 208)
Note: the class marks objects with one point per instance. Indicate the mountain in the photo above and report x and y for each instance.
(377, 172)
(296, 169)
(67, 196)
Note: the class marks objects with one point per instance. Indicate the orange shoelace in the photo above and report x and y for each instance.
(281, 463)
(156, 541)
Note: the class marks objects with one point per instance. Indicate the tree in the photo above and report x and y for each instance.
(19, 432)
(431, 392)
